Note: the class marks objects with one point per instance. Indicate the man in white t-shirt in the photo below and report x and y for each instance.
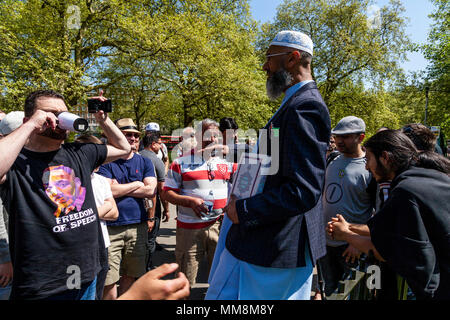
(106, 207)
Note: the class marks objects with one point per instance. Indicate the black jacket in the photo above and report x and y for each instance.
(412, 231)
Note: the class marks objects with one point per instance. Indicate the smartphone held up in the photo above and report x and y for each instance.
(95, 105)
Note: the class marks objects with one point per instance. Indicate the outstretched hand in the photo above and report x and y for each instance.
(151, 287)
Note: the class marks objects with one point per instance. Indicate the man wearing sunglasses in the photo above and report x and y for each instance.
(46, 243)
(132, 180)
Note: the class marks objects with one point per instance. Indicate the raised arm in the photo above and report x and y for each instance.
(118, 146)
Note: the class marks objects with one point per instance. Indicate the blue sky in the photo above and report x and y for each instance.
(417, 28)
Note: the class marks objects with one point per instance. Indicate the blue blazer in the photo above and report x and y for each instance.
(275, 224)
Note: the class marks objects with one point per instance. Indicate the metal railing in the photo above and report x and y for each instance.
(354, 286)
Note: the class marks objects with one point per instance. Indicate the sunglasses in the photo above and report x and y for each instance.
(130, 134)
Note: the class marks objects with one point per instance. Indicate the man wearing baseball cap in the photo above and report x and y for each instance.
(278, 235)
(346, 193)
(152, 128)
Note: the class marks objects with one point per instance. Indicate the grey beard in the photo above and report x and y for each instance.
(277, 83)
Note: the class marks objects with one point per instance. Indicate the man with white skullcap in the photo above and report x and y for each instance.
(274, 238)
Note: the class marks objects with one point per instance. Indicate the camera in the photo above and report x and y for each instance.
(72, 122)
(95, 105)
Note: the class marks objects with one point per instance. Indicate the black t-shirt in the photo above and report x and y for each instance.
(55, 236)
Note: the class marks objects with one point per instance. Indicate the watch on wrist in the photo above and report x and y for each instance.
(151, 219)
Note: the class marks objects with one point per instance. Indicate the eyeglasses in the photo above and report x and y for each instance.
(211, 173)
(129, 135)
(277, 54)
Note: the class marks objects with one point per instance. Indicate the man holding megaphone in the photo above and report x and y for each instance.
(55, 236)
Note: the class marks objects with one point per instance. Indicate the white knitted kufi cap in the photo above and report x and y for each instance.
(293, 39)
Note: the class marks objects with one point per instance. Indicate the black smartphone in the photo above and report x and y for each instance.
(95, 105)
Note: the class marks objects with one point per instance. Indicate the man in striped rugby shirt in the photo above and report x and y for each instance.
(198, 184)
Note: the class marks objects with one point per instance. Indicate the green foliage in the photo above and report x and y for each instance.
(437, 51)
(348, 46)
(177, 61)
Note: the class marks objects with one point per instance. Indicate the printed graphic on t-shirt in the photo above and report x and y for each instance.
(65, 190)
(222, 168)
(333, 193)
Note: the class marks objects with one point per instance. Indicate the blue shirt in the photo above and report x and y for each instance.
(131, 209)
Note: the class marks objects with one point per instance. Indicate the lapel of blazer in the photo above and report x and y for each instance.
(311, 85)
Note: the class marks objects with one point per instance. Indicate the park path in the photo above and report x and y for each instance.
(167, 240)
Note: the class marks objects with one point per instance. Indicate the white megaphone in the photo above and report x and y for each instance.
(72, 122)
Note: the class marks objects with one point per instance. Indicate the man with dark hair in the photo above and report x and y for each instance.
(56, 244)
(33, 97)
(152, 144)
(228, 127)
(347, 193)
(411, 230)
(422, 137)
(47, 191)
(152, 128)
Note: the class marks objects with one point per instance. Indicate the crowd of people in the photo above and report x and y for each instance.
(82, 218)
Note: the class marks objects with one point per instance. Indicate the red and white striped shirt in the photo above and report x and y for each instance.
(195, 177)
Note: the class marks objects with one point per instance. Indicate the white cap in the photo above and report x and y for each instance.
(11, 122)
(152, 126)
(293, 39)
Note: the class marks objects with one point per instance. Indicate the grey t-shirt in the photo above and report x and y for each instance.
(345, 192)
(157, 163)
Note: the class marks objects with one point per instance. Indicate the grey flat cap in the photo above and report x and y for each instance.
(350, 124)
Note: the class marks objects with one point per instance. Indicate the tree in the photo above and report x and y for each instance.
(61, 44)
(349, 46)
(437, 51)
(166, 59)
(213, 68)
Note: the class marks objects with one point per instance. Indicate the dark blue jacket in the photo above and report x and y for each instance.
(275, 225)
